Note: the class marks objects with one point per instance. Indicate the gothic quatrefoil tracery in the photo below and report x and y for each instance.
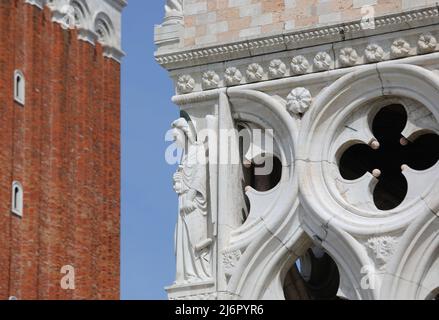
(386, 157)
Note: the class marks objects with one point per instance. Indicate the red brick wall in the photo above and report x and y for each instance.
(64, 147)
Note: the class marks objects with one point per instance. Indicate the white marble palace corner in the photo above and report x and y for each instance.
(310, 148)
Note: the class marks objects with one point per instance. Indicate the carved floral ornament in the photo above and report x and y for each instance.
(374, 53)
(427, 43)
(233, 76)
(400, 48)
(277, 68)
(299, 65)
(348, 57)
(322, 61)
(254, 72)
(299, 100)
(210, 80)
(185, 84)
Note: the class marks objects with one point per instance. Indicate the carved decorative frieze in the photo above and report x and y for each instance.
(242, 71)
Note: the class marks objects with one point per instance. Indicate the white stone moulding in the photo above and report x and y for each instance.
(96, 21)
(287, 64)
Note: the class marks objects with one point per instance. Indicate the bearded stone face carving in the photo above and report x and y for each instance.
(192, 243)
(382, 248)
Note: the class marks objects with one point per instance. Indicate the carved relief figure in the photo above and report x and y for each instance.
(192, 243)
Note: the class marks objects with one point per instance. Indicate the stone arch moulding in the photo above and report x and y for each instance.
(344, 228)
(106, 36)
(82, 13)
(271, 239)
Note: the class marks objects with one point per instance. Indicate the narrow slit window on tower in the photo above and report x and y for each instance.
(19, 87)
(17, 198)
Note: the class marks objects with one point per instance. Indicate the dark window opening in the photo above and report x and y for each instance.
(263, 182)
(16, 200)
(17, 87)
(324, 279)
(315, 276)
(262, 174)
(391, 152)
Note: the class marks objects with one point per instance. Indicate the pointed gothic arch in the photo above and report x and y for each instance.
(271, 239)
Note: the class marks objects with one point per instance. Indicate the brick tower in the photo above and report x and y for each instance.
(60, 149)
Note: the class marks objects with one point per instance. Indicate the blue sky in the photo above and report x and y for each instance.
(149, 205)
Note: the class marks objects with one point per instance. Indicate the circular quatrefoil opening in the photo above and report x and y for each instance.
(386, 157)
